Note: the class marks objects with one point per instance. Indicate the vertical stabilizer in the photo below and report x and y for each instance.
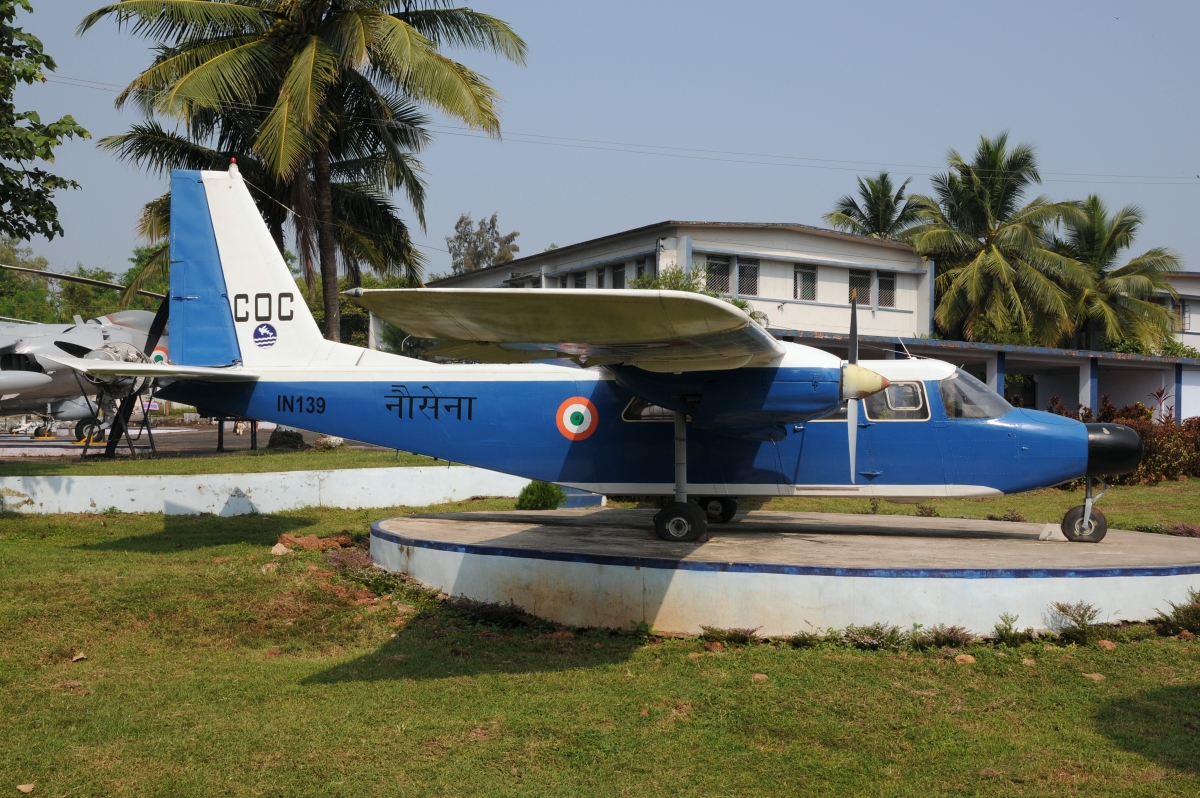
(271, 320)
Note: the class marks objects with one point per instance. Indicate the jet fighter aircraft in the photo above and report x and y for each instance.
(670, 394)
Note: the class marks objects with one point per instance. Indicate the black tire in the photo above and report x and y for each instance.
(1072, 526)
(719, 509)
(39, 432)
(87, 427)
(680, 522)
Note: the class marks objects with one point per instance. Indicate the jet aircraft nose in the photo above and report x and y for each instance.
(1112, 449)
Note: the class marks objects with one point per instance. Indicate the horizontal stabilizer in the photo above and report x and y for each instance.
(655, 330)
(117, 368)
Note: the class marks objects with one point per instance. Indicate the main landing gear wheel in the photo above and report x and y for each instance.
(680, 522)
(1074, 530)
(719, 510)
(87, 428)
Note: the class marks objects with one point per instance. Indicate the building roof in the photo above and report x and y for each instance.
(529, 260)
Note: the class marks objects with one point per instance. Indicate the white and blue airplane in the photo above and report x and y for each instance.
(670, 394)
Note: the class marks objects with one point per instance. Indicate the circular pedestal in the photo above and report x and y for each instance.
(783, 572)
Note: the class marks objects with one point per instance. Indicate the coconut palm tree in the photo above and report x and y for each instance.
(321, 69)
(883, 213)
(1117, 303)
(996, 276)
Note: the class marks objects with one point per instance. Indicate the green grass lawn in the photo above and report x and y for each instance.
(207, 675)
(243, 462)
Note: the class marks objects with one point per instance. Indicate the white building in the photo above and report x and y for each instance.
(801, 278)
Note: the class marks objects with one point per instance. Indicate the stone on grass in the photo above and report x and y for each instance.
(713, 646)
(327, 442)
(279, 550)
(1107, 645)
(286, 438)
(964, 659)
(1185, 636)
(1028, 661)
(78, 657)
(759, 677)
(314, 543)
(1095, 677)
(563, 634)
(25, 788)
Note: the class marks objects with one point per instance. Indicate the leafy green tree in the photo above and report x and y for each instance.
(996, 275)
(24, 296)
(1118, 301)
(676, 279)
(89, 301)
(478, 247)
(881, 210)
(27, 192)
(319, 66)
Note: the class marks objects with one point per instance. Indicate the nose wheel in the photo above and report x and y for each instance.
(1084, 523)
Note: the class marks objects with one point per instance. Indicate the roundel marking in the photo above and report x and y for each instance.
(577, 418)
(159, 355)
(264, 336)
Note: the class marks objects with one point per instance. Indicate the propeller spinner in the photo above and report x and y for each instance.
(857, 383)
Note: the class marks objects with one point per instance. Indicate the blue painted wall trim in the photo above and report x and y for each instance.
(1179, 392)
(1094, 384)
(202, 332)
(1000, 373)
(788, 570)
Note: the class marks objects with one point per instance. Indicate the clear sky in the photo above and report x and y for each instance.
(1106, 91)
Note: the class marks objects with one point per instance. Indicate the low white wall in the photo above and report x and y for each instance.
(240, 494)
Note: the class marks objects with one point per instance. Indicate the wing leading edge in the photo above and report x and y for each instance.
(654, 330)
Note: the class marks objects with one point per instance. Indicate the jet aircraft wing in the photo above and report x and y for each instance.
(120, 368)
(666, 331)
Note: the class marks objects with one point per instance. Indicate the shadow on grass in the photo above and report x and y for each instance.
(190, 532)
(1163, 725)
(439, 644)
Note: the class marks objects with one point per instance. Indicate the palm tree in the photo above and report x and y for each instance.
(884, 212)
(996, 275)
(322, 70)
(1117, 302)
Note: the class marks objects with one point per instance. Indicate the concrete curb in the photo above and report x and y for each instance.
(242, 494)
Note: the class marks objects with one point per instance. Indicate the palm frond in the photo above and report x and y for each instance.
(179, 19)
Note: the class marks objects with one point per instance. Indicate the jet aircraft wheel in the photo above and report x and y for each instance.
(1073, 529)
(680, 522)
(719, 510)
(87, 428)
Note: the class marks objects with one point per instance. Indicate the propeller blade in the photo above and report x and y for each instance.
(852, 433)
(853, 358)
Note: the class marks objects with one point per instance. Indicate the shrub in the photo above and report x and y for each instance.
(940, 636)
(926, 510)
(876, 637)
(737, 637)
(1011, 515)
(1183, 617)
(805, 640)
(1007, 633)
(540, 496)
(1074, 622)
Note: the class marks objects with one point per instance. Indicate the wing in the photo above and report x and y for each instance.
(655, 330)
(116, 368)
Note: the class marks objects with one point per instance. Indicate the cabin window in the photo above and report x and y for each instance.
(963, 396)
(641, 410)
(804, 283)
(716, 274)
(900, 401)
(747, 277)
(860, 287)
(887, 290)
(580, 279)
(600, 277)
(619, 276)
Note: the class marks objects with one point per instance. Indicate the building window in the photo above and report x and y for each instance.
(562, 281)
(644, 266)
(716, 274)
(619, 276)
(887, 290)
(600, 277)
(860, 287)
(804, 283)
(747, 277)
(580, 279)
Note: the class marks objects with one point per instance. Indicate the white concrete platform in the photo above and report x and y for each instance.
(783, 572)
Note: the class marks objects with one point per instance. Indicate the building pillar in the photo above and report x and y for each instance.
(683, 254)
(995, 373)
(1179, 392)
(1089, 383)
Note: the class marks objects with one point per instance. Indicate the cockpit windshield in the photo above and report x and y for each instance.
(963, 396)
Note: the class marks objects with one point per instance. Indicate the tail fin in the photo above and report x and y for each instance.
(232, 296)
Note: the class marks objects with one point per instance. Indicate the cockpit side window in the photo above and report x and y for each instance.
(900, 401)
(963, 396)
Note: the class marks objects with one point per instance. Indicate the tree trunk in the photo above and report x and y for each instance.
(325, 244)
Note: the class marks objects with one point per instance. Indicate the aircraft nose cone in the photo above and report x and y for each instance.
(1112, 449)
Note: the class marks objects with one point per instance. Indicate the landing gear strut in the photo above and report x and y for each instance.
(680, 521)
(1084, 523)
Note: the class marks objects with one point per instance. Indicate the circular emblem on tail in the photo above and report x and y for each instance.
(264, 336)
(577, 418)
